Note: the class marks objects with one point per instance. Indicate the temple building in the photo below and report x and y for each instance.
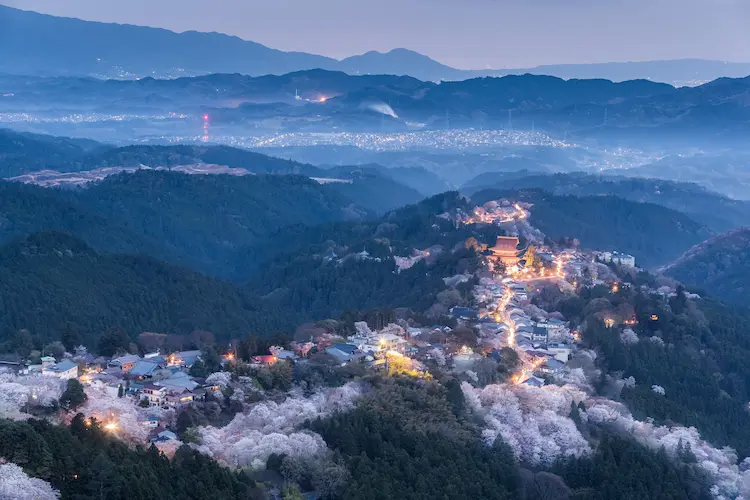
(506, 249)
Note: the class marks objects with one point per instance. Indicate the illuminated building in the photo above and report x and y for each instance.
(506, 249)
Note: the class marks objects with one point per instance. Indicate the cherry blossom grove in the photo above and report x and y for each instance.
(15, 484)
(125, 417)
(269, 427)
(533, 421)
(729, 479)
(18, 393)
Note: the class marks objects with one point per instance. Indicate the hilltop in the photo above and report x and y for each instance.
(719, 265)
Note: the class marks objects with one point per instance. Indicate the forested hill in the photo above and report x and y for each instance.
(23, 152)
(374, 188)
(321, 270)
(195, 220)
(50, 279)
(655, 235)
(173, 156)
(72, 162)
(720, 266)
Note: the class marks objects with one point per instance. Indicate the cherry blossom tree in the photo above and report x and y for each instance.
(302, 348)
(363, 330)
(222, 379)
(533, 421)
(15, 484)
(269, 427)
(438, 355)
(628, 336)
(275, 350)
(20, 393)
(658, 389)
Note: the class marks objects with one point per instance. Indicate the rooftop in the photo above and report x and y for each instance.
(64, 366)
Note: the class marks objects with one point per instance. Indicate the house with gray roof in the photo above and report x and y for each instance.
(144, 369)
(64, 370)
(341, 356)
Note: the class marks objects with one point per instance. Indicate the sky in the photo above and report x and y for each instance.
(466, 34)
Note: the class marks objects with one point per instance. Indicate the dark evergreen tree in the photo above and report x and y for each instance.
(73, 396)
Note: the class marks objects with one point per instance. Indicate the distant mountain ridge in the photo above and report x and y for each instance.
(40, 44)
(60, 162)
(634, 112)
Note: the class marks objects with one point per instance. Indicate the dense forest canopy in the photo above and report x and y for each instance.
(51, 279)
(83, 462)
(195, 220)
(720, 266)
(695, 351)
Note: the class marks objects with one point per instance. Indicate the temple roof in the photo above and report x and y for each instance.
(506, 244)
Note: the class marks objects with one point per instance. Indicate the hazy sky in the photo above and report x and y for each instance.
(461, 33)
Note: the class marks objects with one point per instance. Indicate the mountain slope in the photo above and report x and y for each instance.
(33, 43)
(373, 188)
(399, 62)
(194, 220)
(720, 266)
(173, 156)
(22, 152)
(322, 271)
(655, 235)
(52, 278)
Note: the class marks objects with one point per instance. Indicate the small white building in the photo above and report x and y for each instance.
(618, 258)
(561, 352)
(64, 370)
(155, 394)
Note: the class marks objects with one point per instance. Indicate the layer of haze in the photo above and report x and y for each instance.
(462, 33)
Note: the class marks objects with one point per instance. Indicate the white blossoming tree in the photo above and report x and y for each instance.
(269, 427)
(15, 484)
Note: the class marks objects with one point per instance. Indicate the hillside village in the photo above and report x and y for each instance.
(505, 323)
(513, 341)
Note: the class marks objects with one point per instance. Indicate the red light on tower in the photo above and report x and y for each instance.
(205, 128)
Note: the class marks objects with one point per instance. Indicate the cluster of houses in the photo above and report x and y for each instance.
(160, 380)
(156, 379)
(495, 212)
(544, 341)
(371, 348)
